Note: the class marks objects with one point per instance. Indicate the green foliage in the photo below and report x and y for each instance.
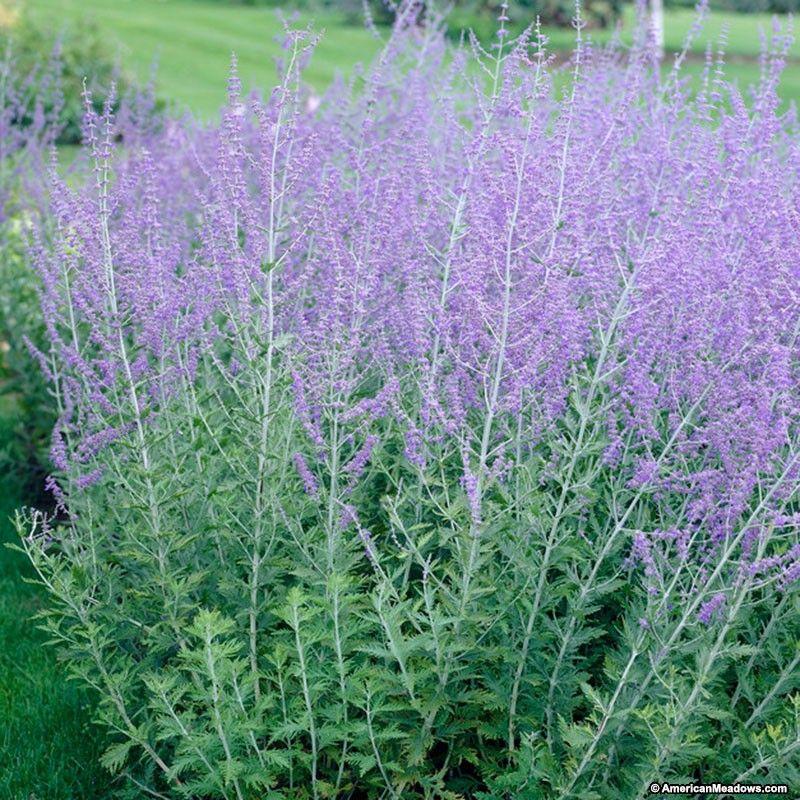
(247, 644)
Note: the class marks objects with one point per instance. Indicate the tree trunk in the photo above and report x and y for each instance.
(657, 25)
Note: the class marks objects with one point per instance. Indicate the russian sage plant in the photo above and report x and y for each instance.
(438, 439)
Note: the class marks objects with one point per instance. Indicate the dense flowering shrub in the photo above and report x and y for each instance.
(437, 440)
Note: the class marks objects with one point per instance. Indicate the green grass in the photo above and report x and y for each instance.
(48, 746)
(193, 41)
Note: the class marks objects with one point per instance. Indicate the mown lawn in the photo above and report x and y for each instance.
(193, 40)
(49, 748)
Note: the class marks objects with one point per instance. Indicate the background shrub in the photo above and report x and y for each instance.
(81, 54)
(20, 375)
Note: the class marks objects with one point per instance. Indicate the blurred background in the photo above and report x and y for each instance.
(191, 40)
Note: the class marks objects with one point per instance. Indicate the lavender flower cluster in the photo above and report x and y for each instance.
(438, 438)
